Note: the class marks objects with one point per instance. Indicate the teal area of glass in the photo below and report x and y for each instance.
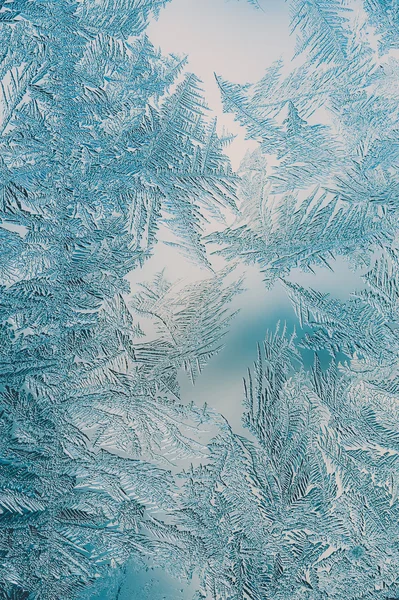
(144, 584)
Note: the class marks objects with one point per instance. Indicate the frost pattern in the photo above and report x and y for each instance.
(98, 152)
(310, 508)
(307, 506)
(96, 155)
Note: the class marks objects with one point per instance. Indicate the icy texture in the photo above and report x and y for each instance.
(331, 126)
(97, 152)
(308, 506)
(384, 16)
(94, 155)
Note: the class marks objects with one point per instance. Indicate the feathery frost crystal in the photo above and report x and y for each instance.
(105, 142)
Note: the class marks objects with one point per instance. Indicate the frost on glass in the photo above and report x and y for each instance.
(103, 143)
(307, 505)
(98, 151)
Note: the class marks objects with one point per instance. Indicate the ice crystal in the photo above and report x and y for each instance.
(103, 141)
(96, 154)
(308, 506)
